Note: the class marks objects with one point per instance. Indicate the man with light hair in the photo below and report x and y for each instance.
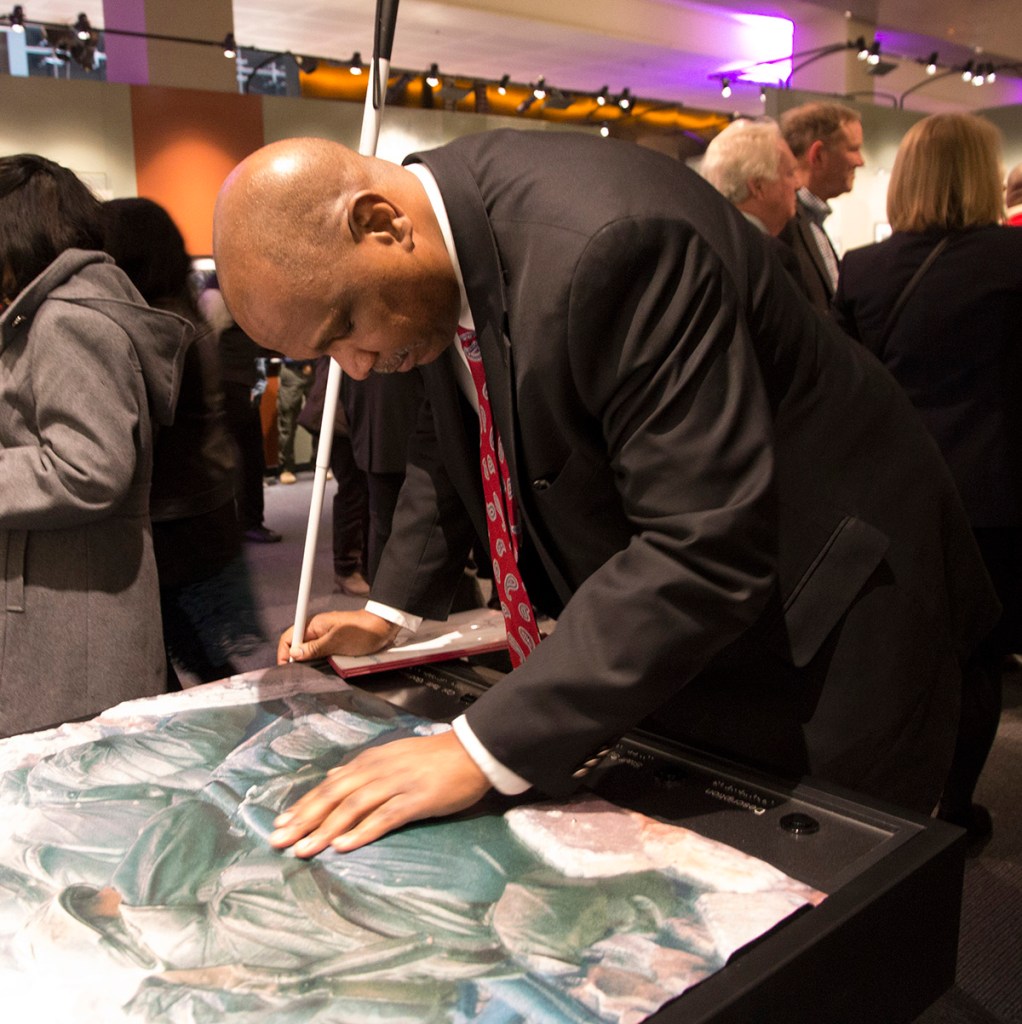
(826, 139)
(751, 165)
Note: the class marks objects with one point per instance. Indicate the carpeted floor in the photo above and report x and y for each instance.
(988, 989)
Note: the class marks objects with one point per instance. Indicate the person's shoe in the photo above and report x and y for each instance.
(287, 477)
(354, 585)
(263, 535)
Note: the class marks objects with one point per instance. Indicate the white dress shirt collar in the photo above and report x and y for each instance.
(440, 211)
(461, 368)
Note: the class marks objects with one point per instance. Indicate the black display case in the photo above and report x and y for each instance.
(879, 949)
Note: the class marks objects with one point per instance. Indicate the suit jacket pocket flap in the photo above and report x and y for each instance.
(828, 588)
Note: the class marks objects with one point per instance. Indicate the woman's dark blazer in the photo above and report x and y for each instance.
(956, 349)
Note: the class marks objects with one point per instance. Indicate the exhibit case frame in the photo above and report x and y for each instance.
(882, 946)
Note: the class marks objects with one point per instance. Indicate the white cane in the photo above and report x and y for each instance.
(376, 92)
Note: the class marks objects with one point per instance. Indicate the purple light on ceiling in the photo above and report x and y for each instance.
(762, 47)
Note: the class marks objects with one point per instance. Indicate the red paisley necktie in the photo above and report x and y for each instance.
(501, 523)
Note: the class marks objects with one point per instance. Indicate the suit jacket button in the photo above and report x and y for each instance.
(540, 485)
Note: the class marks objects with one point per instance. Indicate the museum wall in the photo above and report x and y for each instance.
(177, 145)
(82, 125)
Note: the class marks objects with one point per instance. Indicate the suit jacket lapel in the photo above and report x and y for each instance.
(809, 237)
(484, 284)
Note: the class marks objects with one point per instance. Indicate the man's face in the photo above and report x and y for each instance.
(834, 171)
(379, 309)
(778, 196)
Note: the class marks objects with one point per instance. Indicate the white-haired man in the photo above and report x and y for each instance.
(751, 165)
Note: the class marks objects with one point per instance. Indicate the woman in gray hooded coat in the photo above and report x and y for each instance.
(87, 370)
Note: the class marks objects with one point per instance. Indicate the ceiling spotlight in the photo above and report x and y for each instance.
(433, 78)
(863, 49)
(82, 27)
(604, 130)
(991, 74)
(967, 72)
(306, 64)
(624, 101)
(17, 19)
(762, 95)
(525, 104)
(557, 99)
(979, 77)
(539, 89)
(355, 64)
(931, 63)
(601, 97)
(230, 47)
(502, 87)
(725, 88)
(453, 93)
(873, 57)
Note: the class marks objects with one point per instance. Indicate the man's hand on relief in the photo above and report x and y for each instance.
(379, 790)
(348, 633)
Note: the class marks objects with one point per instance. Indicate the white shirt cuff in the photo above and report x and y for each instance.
(399, 618)
(501, 778)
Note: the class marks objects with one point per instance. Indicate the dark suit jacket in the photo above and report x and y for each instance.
(382, 411)
(732, 507)
(812, 276)
(955, 348)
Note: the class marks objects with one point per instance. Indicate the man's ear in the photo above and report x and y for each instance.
(754, 186)
(374, 217)
(814, 154)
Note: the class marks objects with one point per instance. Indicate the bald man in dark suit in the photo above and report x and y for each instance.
(747, 539)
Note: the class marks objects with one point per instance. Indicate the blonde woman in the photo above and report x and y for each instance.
(940, 304)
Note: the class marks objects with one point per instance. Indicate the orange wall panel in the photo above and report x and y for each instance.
(186, 142)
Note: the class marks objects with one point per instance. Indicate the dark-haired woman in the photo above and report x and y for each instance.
(86, 369)
(209, 614)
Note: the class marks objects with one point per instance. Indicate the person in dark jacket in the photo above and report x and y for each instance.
(243, 375)
(206, 599)
(826, 139)
(950, 336)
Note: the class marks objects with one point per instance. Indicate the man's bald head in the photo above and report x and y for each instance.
(282, 204)
(321, 250)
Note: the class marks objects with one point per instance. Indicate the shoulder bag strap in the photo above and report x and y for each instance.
(909, 288)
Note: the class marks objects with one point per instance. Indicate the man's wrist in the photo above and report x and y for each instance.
(500, 776)
(394, 615)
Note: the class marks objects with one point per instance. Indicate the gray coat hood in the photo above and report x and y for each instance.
(91, 279)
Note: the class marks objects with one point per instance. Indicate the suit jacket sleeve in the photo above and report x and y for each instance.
(433, 533)
(812, 277)
(664, 373)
